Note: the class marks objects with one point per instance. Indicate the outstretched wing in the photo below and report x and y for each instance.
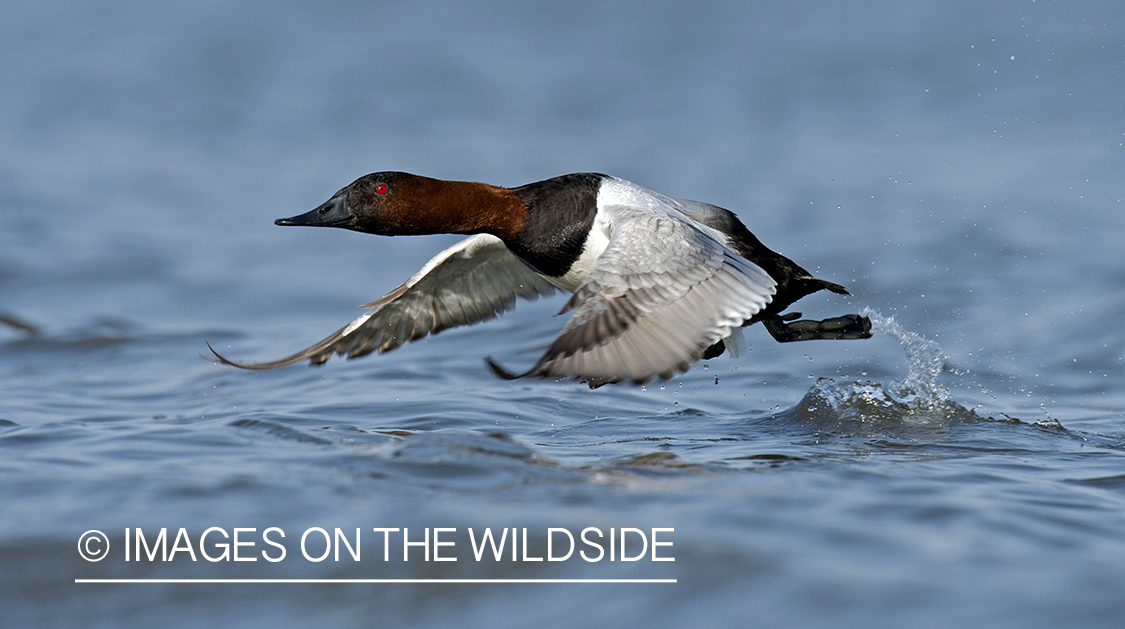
(663, 292)
(474, 280)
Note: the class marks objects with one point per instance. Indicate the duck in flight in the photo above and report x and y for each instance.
(658, 283)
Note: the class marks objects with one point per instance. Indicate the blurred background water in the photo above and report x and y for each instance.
(959, 166)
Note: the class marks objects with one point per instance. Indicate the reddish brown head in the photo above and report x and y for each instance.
(394, 203)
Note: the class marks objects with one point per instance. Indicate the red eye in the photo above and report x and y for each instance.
(380, 189)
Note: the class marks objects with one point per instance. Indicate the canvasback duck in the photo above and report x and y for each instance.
(658, 282)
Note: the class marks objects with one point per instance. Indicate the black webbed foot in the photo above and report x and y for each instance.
(715, 350)
(504, 374)
(784, 329)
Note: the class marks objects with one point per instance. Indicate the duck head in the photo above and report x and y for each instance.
(368, 204)
(395, 203)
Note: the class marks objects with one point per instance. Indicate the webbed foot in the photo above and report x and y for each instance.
(785, 330)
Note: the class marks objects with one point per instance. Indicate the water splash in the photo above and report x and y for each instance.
(924, 362)
(917, 398)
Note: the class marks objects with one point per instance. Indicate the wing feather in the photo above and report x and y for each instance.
(663, 292)
(474, 280)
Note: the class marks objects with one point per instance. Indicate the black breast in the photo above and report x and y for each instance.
(561, 212)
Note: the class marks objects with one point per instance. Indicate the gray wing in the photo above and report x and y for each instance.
(474, 280)
(663, 292)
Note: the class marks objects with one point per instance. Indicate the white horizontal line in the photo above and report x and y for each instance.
(375, 581)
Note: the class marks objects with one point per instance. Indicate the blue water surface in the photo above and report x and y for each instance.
(959, 166)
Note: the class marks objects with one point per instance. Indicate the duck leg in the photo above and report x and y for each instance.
(784, 329)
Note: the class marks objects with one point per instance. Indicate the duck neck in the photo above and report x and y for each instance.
(464, 207)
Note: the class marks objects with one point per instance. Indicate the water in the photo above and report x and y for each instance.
(958, 166)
